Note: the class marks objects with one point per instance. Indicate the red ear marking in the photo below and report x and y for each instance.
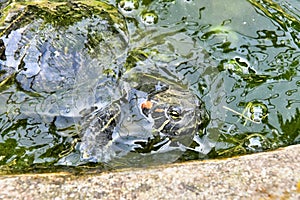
(147, 105)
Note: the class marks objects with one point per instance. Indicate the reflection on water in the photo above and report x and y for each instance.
(241, 58)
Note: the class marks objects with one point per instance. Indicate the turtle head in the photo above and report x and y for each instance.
(175, 112)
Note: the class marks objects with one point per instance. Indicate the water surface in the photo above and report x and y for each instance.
(241, 58)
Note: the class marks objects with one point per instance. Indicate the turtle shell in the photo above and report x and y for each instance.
(61, 52)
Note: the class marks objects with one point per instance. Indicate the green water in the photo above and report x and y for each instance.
(240, 57)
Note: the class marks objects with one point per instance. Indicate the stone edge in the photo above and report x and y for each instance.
(268, 175)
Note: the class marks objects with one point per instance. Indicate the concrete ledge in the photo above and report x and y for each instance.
(270, 175)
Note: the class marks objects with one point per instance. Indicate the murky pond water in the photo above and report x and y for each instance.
(135, 83)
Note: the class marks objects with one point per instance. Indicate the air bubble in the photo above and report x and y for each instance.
(291, 92)
(257, 111)
(128, 6)
(254, 143)
(67, 110)
(149, 18)
(230, 99)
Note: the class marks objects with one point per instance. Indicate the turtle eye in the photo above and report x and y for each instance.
(174, 113)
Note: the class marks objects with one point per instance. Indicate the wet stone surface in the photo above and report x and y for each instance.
(270, 175)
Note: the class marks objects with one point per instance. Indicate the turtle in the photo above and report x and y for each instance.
(56, 59)
(67, 60)
(59, 53)
(154, 115)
